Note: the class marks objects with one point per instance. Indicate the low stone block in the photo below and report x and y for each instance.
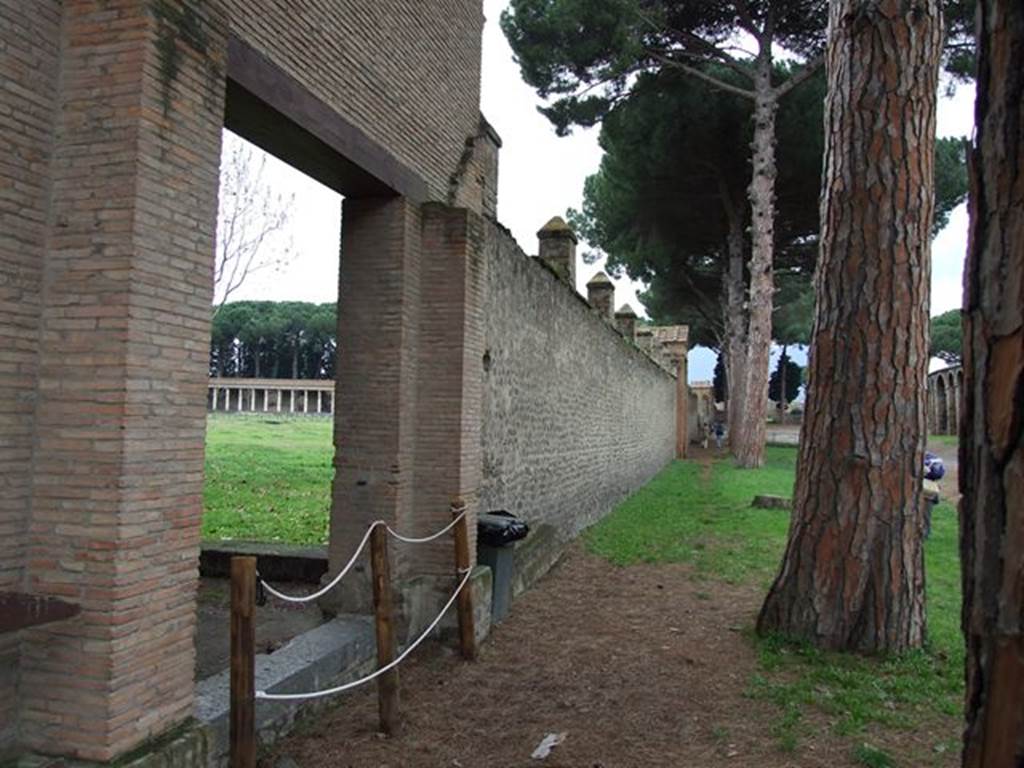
(535, 556)
(772, 502)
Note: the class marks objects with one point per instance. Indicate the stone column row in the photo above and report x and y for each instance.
(227, 398)
(945, 394)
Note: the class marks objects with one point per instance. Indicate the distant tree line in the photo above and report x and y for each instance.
(274, 340)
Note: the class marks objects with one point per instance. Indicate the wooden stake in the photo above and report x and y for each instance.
(243, 662)
(464, 604)
(387, 684)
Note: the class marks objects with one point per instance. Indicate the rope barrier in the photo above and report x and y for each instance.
(386, 668)
(355, 556)
(431, 537)
(333, 583)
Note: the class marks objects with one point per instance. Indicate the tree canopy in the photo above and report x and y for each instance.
(950, 179)
(274, 339)
(947, 337)
(675, 167)
(585, 53)
(674, 163)
(793, 373)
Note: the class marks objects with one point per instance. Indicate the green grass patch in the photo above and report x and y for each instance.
(267, 478)
(865, 754)
(702, 515)
(690, 514)
(948, 440)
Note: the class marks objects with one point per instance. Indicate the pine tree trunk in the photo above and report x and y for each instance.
(853, 573)
(992, 427)
(749, 449)
(736, 328)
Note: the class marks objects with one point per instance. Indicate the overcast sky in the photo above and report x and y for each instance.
(540, 175)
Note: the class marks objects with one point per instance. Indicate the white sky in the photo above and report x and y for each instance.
(540, 175)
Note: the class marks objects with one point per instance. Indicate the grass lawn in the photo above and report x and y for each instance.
(267, 478)
(946, 440)
(702, 515)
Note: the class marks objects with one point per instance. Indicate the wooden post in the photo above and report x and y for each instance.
(243, 662)
(464, 604)
(387, 684)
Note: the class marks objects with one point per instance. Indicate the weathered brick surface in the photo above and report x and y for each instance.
(119, 419)
(406, 72)
(574, 417)
(29, 38)
(374, 423)
(465, 370)
(474, 185)
(449, 391)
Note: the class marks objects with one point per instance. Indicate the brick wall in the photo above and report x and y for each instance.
(574, 417)
(29, 48)
(448, 396)
(406, 72)
(374, 423)
(121, 346)
(110, 121)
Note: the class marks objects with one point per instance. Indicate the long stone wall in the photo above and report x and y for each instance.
(575, 417)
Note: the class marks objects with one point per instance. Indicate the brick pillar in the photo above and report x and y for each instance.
(601, 295)
(374, 421)
(29, 61)
(673, 341)
(409, 390)
(625, 321)
(120, 416)
(450, 387)
(557, 249)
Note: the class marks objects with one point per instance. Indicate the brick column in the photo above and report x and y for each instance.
(625, 321)
(557, 249)
(450, 386)
(374, 427)
(674, 343)
(120, 416)
(601, 295)
(29, 63)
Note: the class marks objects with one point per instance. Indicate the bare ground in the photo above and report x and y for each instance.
(639, 666)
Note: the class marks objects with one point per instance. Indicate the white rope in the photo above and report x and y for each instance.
(355, 555)
(334, 582)
(431, 537)
(386, 668)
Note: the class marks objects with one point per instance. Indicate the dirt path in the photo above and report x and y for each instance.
(640, 666)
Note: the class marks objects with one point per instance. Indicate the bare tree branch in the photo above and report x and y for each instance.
(700, 74)
(806, 71)
(250, 216)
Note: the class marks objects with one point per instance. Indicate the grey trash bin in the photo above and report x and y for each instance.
(496, 533)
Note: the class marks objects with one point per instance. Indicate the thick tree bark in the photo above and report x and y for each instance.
(749, 448)
(853, 573)
(992, 427)
(735, 326)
